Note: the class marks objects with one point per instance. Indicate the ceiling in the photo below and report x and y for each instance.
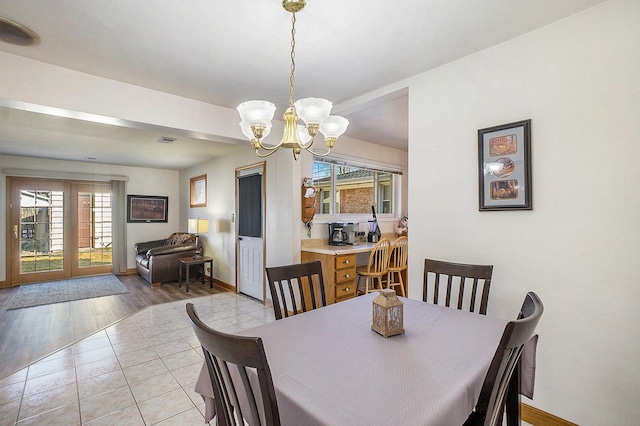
(225, 53)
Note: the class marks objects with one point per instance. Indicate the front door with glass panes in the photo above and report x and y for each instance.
(58, 229)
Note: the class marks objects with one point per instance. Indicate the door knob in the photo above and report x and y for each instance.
(15, 231)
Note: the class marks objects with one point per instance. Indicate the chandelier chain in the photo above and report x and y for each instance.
(293, 57)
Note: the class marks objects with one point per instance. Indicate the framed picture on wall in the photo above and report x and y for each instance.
(147, 208)
(504, 167)
(198, 191)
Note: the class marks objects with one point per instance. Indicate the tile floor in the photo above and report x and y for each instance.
(139, 371)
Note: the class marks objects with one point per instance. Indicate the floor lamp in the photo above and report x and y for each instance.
(198, 226)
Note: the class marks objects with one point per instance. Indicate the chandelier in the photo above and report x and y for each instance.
(256, 116)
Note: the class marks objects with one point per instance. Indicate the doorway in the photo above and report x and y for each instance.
(58, 229)
(250, 230)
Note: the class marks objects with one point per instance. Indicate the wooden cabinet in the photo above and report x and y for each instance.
(344, 277)
(338, 272)
(339, 268)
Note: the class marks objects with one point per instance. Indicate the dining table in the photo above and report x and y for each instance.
(330, 368)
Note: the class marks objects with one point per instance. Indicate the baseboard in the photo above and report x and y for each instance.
(537, 417)
(224, 285)
(133, 271)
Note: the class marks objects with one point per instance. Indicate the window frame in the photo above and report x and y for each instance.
(198, 191)
(394, 171)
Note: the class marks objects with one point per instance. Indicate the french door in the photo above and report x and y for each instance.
(91, 215)
(58, 229)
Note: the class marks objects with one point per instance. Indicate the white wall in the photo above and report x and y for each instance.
(578, 80)
(142, 181)
(220, 242)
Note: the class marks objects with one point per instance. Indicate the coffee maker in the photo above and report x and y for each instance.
(352, 229)
(337, 236)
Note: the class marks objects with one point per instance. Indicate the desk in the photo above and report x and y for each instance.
(338, 268)
(202, 261)
(330, 368)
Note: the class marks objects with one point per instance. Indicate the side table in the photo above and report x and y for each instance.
(202, 261)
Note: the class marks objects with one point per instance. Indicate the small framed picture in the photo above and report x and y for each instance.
(147, 208)
(198, 191)
(504, 166)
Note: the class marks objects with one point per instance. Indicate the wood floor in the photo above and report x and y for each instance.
(29, 334)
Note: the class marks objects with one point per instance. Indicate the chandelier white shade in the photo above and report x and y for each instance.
(333, 126)
(246, 130)
(257, 113)
(314, 113)
(313, 110)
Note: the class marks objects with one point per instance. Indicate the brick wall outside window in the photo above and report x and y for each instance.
(357, 200)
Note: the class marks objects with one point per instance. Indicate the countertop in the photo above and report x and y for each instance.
(362, 247)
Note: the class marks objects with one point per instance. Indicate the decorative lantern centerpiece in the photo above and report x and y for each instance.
(387, 314)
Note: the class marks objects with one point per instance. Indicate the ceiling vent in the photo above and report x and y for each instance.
(165, 139)
(14, 33)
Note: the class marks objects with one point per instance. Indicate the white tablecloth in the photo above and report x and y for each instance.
(330, 368)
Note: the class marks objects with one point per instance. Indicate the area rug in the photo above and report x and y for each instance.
(67, 290)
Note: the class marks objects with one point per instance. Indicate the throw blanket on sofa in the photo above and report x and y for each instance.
(179, 238)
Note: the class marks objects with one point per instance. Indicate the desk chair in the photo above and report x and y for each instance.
(292, 285)
(479, 276)
(376, 269)
(398, 263)
(223, 352)
(489, 410)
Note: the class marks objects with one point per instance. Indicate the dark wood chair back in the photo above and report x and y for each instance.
(489, 410)
(226, 354)
(296, 288)
(448, 279)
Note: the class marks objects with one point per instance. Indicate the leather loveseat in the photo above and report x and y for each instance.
(158, 261)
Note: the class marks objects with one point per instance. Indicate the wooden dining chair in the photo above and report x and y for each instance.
(296, 288)
(226, 353)
(457, 279)
(398, 264)
(376, 269)
(489, 410)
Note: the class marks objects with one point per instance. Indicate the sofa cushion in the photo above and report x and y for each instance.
(143, 260)
(179, 238)
(142, 248)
